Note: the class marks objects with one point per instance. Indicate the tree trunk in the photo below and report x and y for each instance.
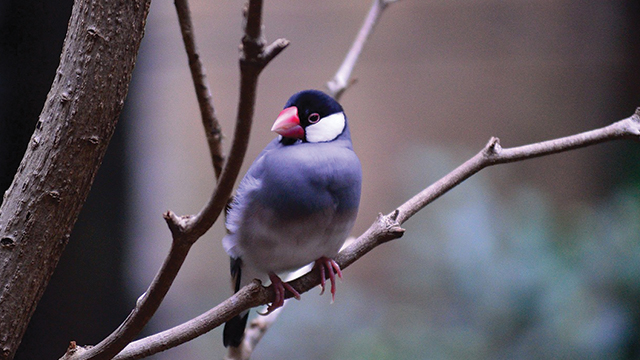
(82, 108)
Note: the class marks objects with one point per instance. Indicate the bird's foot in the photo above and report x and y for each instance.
(331, 268)
(279, 287)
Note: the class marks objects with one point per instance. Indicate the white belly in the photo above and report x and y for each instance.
(268, 244)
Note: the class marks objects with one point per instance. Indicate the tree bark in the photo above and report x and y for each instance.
(66, 149)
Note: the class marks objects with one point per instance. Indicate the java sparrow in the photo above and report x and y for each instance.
(296, 204)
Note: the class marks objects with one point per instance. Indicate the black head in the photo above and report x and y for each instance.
(311, 116)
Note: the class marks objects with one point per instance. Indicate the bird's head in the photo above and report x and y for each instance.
(311, 116)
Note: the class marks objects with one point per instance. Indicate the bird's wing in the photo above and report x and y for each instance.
(249, 184)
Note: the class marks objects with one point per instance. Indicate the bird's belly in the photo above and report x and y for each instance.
(275, 246)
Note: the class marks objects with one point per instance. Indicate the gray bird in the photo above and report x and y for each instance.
(297, 203)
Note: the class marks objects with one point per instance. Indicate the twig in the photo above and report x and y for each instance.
(385, 228)
(145, 307)
(210, 122)
(186, 230)
(341, 80)
(494, 154)
(254, 58)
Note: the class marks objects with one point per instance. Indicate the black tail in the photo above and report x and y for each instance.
(234, 329)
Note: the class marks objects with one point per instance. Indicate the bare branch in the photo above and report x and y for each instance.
(186, 230)
(249, 296)
(253, 59)
(275, 48)
(341, 80)
(210, 122)
(145, 307)
(494, 154)
(384, 229)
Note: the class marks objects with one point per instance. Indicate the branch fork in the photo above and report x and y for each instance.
(631, 125)
(254, 51)
(256, 55)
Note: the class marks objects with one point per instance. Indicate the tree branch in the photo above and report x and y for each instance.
(249, 296)
(66, 149)
(254, 58)
(384, 229)
(186, 230)
(212, 128)
(494, 154)
(341, 80)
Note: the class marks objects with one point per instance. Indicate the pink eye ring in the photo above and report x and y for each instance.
(313, 118)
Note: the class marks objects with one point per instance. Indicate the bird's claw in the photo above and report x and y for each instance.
(279, 287)
(330, 267)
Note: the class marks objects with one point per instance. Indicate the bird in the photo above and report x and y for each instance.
(297, 203)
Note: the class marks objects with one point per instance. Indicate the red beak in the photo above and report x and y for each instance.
(288, 124)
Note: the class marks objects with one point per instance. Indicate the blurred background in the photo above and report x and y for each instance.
(538, 259)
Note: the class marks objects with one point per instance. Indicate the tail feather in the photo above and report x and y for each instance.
(233, 332)
(236, 273)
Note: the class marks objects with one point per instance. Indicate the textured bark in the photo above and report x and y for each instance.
(78, 119)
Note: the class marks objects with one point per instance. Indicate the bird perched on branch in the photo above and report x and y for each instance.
(296, 204)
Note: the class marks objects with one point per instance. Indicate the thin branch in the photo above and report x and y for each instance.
(254, 58)
(249, 296)
(494, 154)
(145, 307)
(341, 80)
(384, 229)
(272, 50)
(186, 230)
(210, 122)
(253, 24)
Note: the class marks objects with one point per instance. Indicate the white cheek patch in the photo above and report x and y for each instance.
(327, 129)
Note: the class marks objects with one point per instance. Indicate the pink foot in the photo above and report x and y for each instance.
(279, 288)
(330, 267)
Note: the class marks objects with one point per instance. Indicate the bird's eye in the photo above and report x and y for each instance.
(314, 118)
